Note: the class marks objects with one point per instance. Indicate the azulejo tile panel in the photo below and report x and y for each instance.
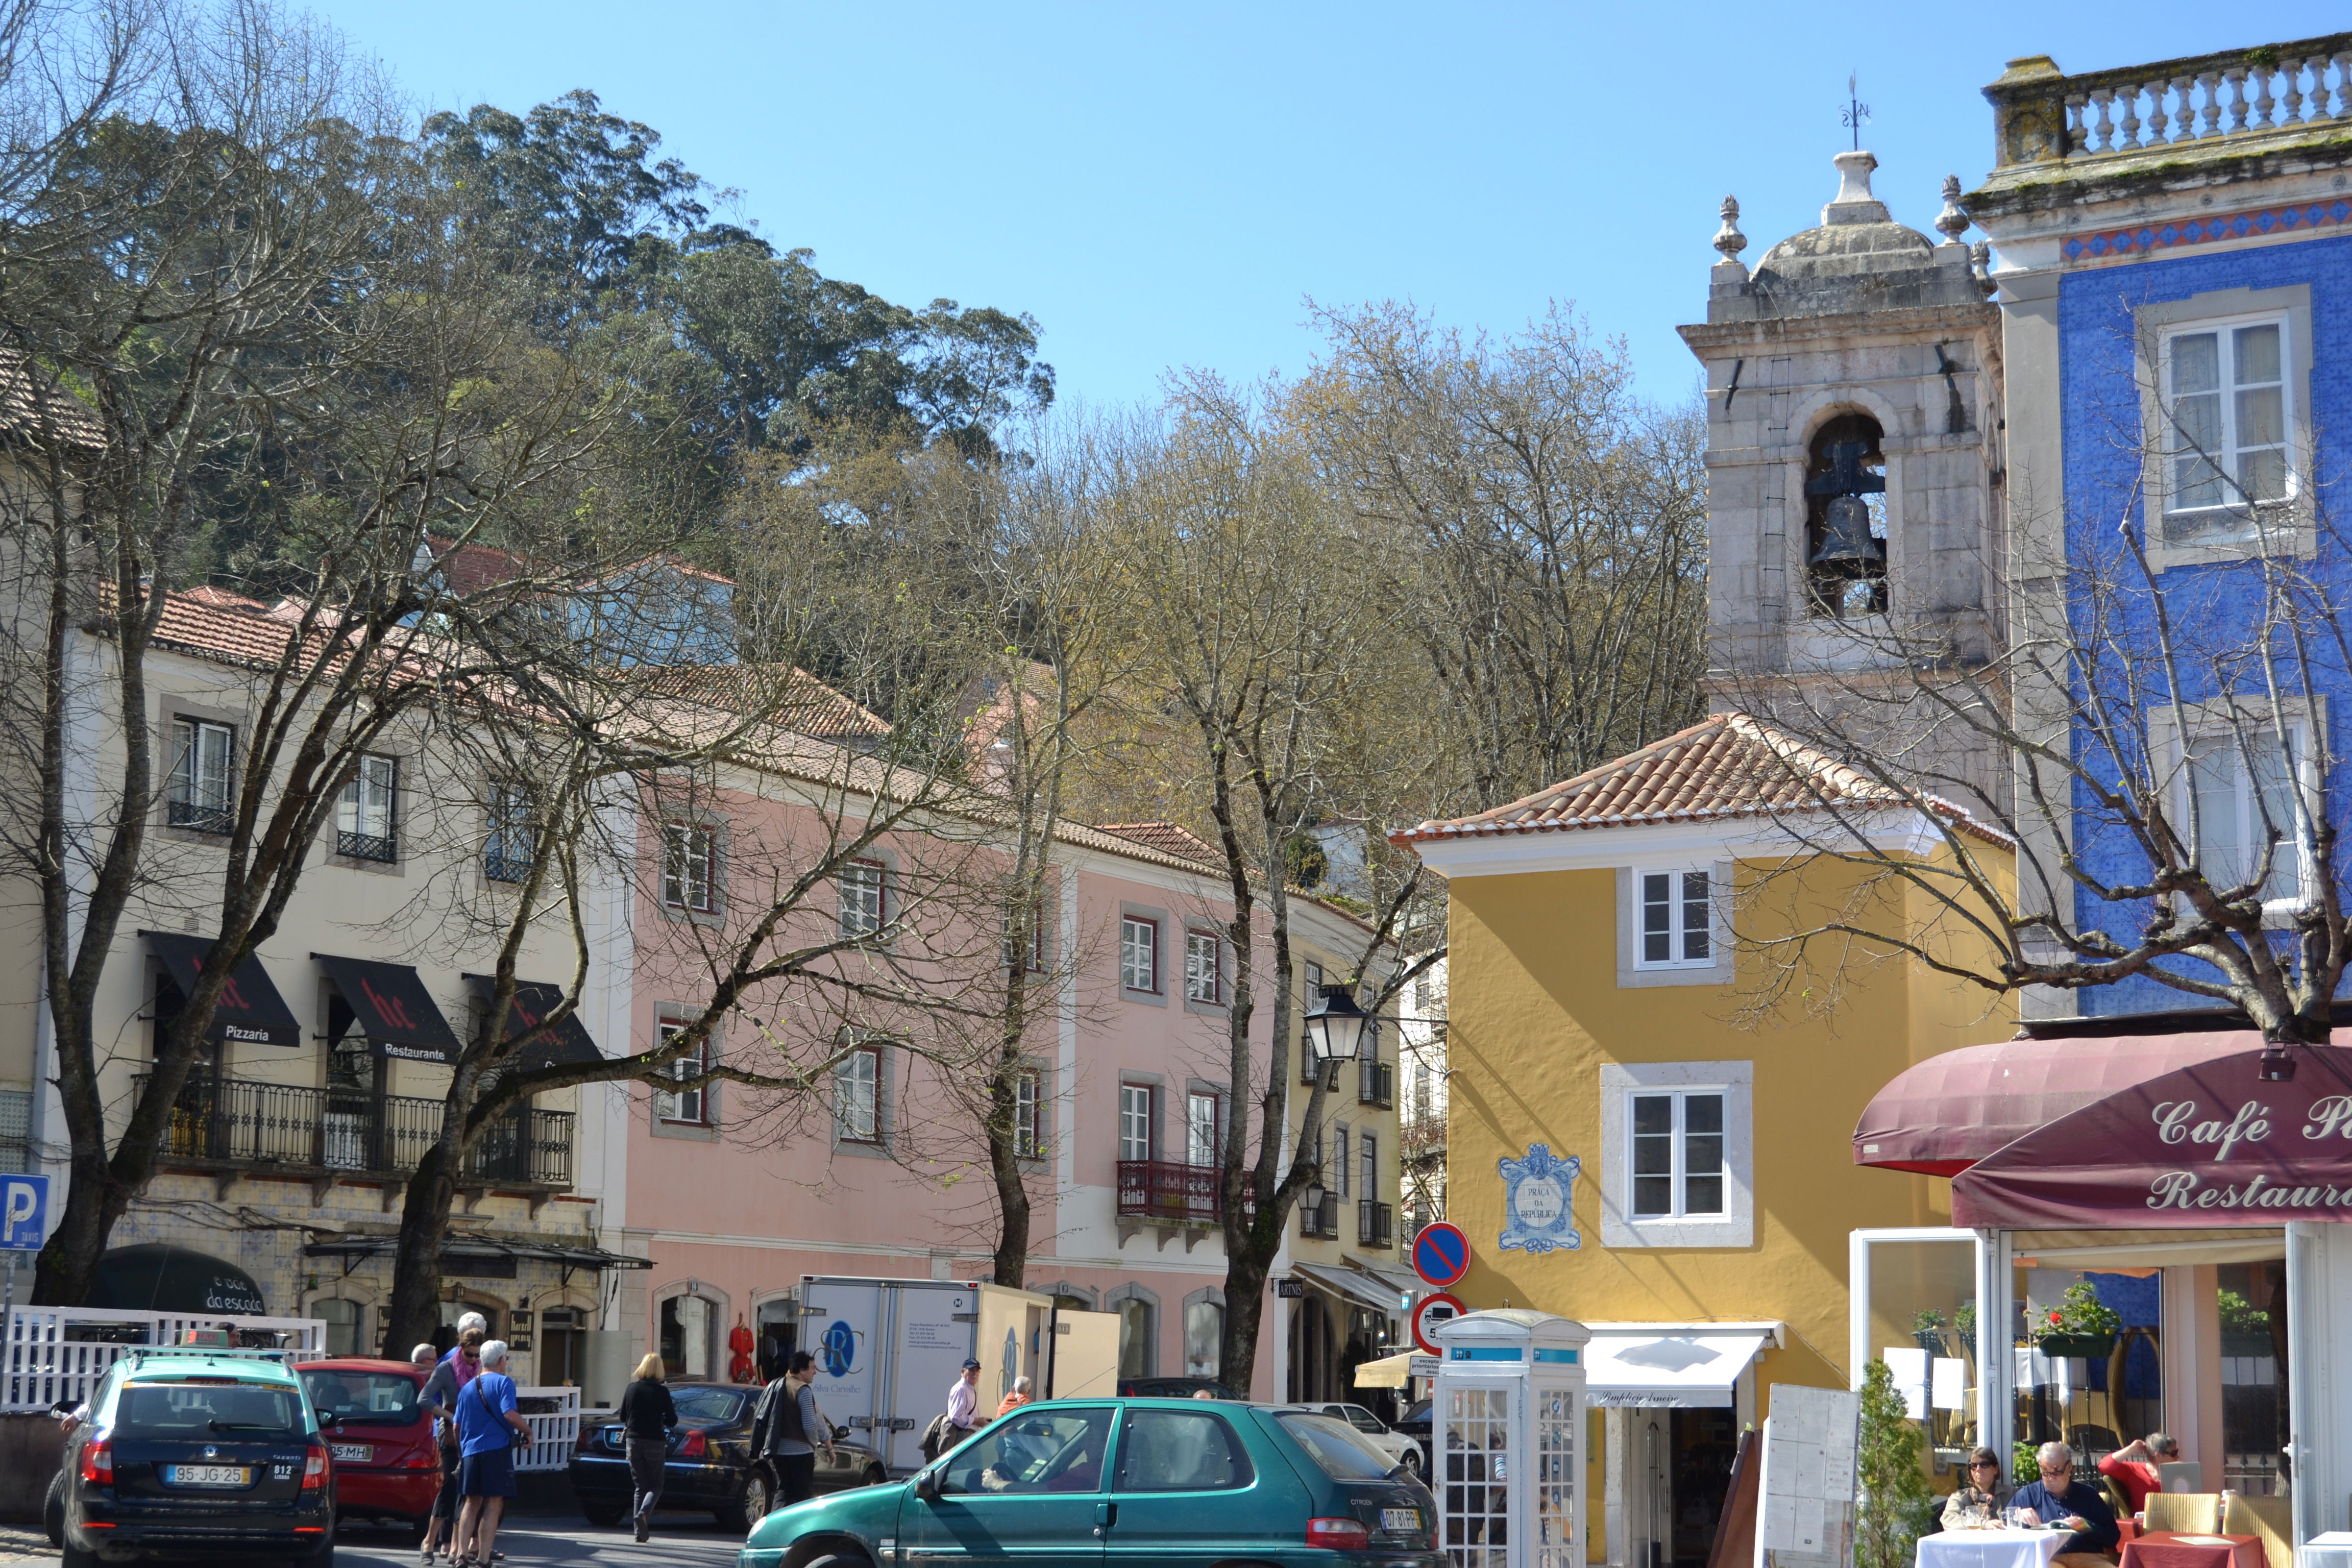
(2148, 238)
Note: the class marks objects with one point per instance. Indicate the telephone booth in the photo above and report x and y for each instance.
(1506, 1431)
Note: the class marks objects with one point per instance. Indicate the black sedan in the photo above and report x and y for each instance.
(710, 1468)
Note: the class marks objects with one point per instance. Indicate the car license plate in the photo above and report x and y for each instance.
(351, 1453)
(1400, 1520)
(209, 1475)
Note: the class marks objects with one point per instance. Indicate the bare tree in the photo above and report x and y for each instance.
(1547, 530)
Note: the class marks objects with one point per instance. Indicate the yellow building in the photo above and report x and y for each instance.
(1706, 1089)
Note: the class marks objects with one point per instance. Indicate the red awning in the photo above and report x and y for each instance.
(2211, 1143)
(1947, 1112)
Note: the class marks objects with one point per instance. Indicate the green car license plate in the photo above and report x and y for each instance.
(209, 1475)
(1400, 1520)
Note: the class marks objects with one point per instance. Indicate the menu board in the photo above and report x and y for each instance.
(1805, 1516)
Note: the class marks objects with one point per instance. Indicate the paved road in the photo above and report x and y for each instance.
(681, 1540)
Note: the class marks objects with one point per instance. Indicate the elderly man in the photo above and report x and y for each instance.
(439, 1392)
(1014, 1400)
(488, 1425)
(2058, 1499)
(2132, 1466)
(964, 1405)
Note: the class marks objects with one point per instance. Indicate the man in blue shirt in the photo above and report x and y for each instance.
(2058, 1499)
(486, 1428)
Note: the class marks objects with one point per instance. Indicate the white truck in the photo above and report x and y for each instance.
(887, 1350)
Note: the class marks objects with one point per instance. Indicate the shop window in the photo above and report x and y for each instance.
(343, 1321)
(1138, 1329)
(686, 1336)
(1204, 1332)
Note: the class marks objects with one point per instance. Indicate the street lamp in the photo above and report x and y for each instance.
(1314, 1195)
(1334, 1025)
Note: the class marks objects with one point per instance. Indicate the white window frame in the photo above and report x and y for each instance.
(864, 892)
(1680, 910)
(1137, 1104)
(684, 1107)
(858, 1076)
(1028, 1112)
(1138, 935)
(1633, 972)
(1678, 1135)
(2222, 328)
(1735, 1226)
(2249, 825)
(203, 777)
(1195, 1102)
(690, 866)
(1204, 968)
(369, 806)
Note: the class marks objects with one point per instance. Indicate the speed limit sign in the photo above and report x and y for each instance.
(1434, 1310)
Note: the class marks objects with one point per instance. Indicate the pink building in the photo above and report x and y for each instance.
(734, 1196)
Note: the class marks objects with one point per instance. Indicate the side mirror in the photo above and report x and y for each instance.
(927, 1485)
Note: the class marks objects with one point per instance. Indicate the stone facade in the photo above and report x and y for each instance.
(1860, 319)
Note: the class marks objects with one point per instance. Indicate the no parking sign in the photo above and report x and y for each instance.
(1441, 1254)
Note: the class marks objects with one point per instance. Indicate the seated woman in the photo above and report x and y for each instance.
(1982, 1499)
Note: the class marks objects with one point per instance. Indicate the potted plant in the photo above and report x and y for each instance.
(1928, 1330)
(2080, 1325)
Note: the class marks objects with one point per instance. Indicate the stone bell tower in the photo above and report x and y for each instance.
(1853, 403)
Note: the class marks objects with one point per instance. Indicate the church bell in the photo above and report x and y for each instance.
(1846, 536)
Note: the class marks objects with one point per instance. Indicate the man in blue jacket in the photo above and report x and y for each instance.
(488, 1426)
(2059, 1499)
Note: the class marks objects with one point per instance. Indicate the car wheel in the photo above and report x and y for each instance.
(604, 1514)
(874, 1475)
(1412, 1462)
(751, 1506)
(53, 1511)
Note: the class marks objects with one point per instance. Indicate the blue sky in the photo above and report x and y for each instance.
(1168, 185)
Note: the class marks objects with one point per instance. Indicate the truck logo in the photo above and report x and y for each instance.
(839, 1348)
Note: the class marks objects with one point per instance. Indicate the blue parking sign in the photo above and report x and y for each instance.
(24, 1213)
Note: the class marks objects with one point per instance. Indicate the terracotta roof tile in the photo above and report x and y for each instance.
(809, 706)
(30, 408)
(1728, 764)
(1166, 837)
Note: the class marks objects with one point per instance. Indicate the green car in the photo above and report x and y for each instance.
(1151, 1483)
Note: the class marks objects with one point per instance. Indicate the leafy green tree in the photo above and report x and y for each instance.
(1893, 1496)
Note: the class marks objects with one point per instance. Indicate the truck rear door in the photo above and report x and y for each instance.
(841, 1326)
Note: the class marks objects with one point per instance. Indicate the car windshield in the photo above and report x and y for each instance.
(1337, 1446)
(718, 1404)
(199, 1409)
(363, 1398)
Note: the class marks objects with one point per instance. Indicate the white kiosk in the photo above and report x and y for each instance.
(1506, 1430)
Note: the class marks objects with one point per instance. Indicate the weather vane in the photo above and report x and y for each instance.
(1856, 113)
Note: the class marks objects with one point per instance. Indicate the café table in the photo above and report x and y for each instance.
(2177, 1549)
(1992, 1548)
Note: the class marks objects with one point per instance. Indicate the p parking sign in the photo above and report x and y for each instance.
(24, 1213)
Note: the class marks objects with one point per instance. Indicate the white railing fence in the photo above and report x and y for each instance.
(553, 1415)
(48, 1354)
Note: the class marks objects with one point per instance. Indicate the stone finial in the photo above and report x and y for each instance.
(1980, 263)
(1728, 239)
(1954, 220)
(1854, 204)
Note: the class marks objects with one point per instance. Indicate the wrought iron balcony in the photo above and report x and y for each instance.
(1321, 1223)
(501, 867)
(1375, 1083)
(1171, 1194)
(367, 846)
(231, 1123)
(1375, 1225)
(198, 817)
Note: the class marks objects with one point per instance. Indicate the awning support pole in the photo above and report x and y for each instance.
(1996, 1360)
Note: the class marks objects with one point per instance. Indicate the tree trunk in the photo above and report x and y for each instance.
(1244, 1307)
(415, 1311)
(1003, 1149)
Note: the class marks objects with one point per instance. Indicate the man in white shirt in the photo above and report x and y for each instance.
(963, 1403)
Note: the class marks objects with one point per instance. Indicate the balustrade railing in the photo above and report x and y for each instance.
(236, 1122)
(1173, 1194)
(1319, 1221)
(2280, 88)
(1375, 1225)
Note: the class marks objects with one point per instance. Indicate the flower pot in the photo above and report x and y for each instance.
(2243, 1344)
(2097, 1345)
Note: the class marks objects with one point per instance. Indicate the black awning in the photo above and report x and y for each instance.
(565, 1043)
(251, 1007)
(392, 1008)
(457, 1254)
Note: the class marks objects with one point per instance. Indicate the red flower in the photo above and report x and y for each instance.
(2054, 1316)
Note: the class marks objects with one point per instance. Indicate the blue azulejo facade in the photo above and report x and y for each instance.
(2204, 396)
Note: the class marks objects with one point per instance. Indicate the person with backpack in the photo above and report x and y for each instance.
(489, 1428)
(790, 1426)
(648, 1412)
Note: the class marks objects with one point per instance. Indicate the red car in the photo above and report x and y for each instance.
(386, 1465)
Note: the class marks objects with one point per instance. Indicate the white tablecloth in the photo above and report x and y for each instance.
(1991, 1548)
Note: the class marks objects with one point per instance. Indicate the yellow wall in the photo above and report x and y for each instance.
(1536, 1011)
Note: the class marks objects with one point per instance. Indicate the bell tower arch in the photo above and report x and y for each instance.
(1854, 405)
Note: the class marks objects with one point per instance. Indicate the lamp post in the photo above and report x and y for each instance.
(1334, 1025)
